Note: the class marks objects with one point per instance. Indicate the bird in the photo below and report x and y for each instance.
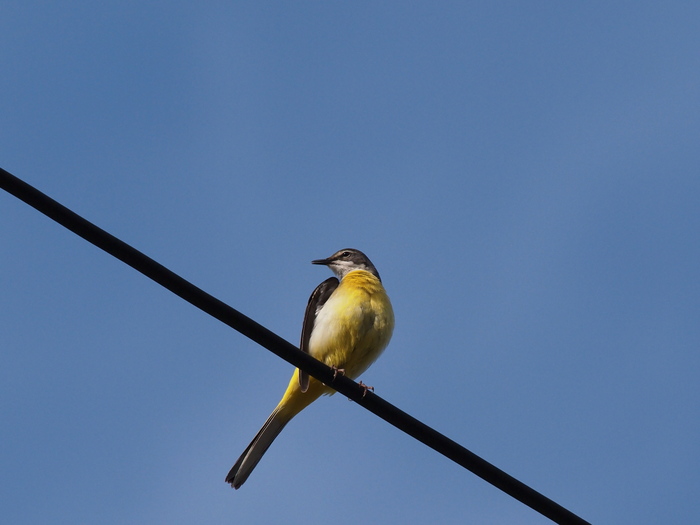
(347, 324)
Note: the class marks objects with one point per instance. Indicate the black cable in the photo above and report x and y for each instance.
(285, 350)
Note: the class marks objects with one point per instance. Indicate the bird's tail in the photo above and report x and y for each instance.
(261, 442)
(293, 402)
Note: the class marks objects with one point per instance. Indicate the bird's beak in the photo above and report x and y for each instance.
(325, 262)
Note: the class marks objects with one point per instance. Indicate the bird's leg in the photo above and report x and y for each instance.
(337, 371)
(366, 388)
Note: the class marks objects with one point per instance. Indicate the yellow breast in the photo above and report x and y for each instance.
(354, 326)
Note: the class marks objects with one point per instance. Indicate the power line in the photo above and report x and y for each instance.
(285, 350)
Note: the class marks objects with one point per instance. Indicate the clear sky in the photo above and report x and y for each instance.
(524, 175)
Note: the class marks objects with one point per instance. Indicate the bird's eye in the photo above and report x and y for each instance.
(345, 254)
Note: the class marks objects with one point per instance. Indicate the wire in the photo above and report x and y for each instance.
(287, 351)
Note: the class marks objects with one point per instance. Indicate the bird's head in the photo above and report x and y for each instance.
(344, 261)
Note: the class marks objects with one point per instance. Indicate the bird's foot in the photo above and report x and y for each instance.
(337, 371)
(366, 388)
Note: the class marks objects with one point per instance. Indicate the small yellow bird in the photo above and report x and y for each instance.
(347, 324)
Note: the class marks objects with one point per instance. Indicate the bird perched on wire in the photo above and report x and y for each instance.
(347, 324)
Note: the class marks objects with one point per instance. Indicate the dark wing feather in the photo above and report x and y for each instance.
(318, 298)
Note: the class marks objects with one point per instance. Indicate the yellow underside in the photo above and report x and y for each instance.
(351, 331)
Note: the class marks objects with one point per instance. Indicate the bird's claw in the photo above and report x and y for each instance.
(337, 371)
(365, 388)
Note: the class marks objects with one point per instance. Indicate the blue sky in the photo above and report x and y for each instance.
(525, 176)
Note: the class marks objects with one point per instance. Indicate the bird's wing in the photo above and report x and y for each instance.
(318, 298)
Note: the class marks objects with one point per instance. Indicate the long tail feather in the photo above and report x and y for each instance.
(293, 402)
(254, 452)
